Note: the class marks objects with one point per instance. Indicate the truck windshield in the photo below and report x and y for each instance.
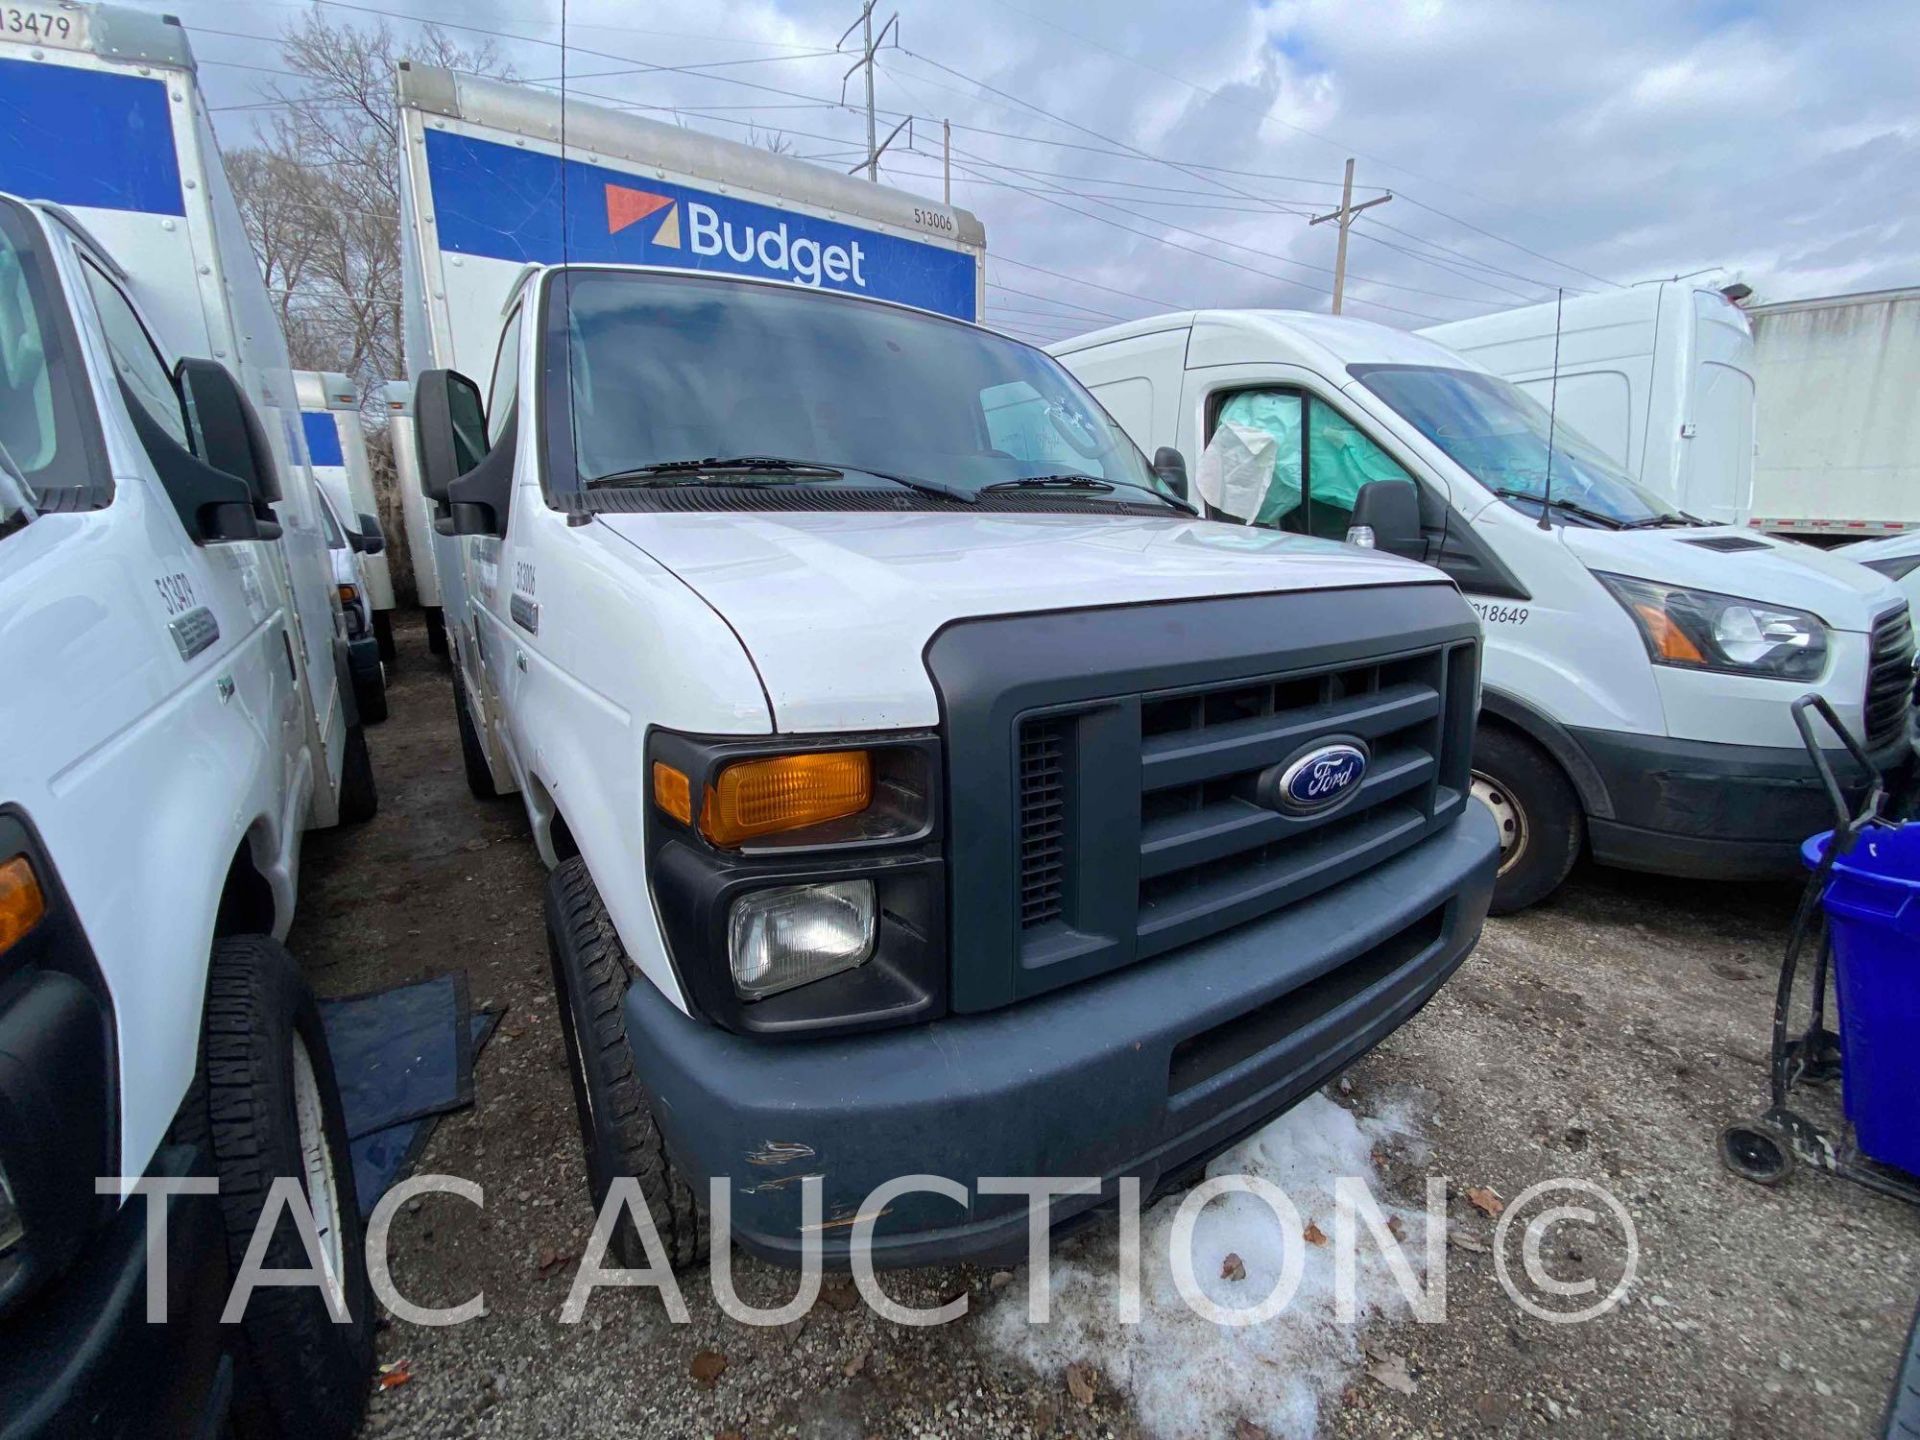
(39, 426)
(665, 370)
(1498, 434)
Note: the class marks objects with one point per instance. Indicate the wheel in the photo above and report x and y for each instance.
(272, 1109)
(436, 630)
(1538, 814)
(617, 1128)
(359, 799)
(1756, 1153)
(370, 695)
(472, 754)
(383, 634)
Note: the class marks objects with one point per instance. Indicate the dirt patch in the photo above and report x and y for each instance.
(1605, 1037)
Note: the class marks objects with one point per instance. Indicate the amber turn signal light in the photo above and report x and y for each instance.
(21, 903)
(1670, 642)
(672, 792)
(785, 792)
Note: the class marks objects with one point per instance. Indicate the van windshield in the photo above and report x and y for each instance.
(665, 371)
(1498, 434)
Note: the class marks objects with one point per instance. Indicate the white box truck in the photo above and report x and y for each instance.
(927, 789)
(337, 451)
(1639, 664)
(422, 538)
(1659, 378)
(1839, 445)
(176, 715)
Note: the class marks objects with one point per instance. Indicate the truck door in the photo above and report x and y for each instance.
(228, 582)
(501, 584)
(1717, 478)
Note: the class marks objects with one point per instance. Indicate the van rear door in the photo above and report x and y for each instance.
(1717, 461)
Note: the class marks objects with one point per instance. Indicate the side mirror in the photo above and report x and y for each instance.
(1386, 516)
(1170, 467)
(226, 431)
(223, 486)
(449, 430)
(369, 539)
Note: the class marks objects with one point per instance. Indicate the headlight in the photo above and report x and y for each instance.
(1700, 630)
(794, 934)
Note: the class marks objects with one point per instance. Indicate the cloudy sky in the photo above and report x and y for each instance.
(1129, 157)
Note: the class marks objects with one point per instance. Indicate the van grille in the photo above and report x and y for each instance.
(1890, 683)
(1211, 855)
(1043, 804)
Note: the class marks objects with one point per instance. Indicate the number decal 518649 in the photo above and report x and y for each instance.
(1491, 614)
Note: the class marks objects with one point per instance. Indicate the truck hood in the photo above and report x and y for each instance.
(836, 610)
(1776, 572)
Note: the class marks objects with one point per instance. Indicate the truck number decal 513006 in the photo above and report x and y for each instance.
(933, 220)
(1491, 614)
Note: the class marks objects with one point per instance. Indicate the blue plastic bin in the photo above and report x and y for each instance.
(1873, 909)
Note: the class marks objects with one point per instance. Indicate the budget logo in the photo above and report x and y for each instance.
(627, 206)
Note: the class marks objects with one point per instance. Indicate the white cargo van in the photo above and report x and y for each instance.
(1658, 378)
(1639, 664)
(422, 539)
(175, 715)
(928, 790)
(337, 451)
(347, 552)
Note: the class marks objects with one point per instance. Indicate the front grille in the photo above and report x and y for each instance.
(1890, 683)
(1211, 855)
(1043, 804)
(1205, 853)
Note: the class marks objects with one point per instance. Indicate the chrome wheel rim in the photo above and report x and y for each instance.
(323, 1186)
(1510, 819)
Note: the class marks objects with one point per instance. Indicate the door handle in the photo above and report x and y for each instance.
(520, 661)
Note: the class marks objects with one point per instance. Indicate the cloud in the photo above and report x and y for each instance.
(1625, 140)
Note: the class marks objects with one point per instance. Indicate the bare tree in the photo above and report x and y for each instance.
(320, 197)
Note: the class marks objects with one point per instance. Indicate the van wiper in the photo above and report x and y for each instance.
(722, 470)
(1076, 481)
(1571, 507)
(681, 472)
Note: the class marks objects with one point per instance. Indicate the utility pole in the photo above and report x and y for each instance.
(1345, 215)
(946, 163)
(869, 43)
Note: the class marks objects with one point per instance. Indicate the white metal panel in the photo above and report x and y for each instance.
(1838, 429)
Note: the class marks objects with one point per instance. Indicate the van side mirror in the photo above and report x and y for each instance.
(1386, 516)
(1170, 468)
(369, 539)
(449, 431)
(222, 488)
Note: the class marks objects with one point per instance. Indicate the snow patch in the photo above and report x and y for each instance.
(1189, 1377)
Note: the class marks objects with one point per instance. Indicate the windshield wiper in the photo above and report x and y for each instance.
(1075, 481)
(1656, 521)
(682, 472)
(1571, 507)
(724, 470)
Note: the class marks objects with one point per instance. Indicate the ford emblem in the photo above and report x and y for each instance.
(1317, 779)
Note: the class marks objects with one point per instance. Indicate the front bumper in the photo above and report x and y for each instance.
(1716, 812)
(1147, 1072)
(81, 1358)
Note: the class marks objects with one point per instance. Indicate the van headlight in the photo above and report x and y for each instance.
(794, 934)
(1702, 630)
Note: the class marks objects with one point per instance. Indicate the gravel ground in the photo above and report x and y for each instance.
(1605, 1036)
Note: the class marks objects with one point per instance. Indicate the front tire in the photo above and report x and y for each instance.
(359, 797)
(370, 696)
(436, 631)
(272, 1109)
(617, 1128)
(1538, 814)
